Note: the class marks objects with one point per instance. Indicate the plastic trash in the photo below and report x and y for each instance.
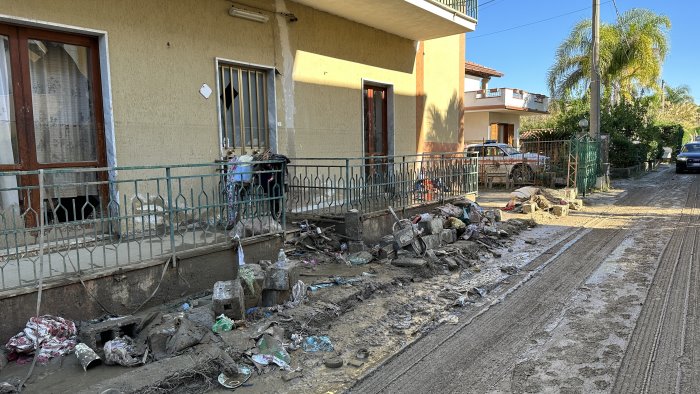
(222, 324)
(241, 256)
(281, 259)
(360, 258)
(270, 350)
(317, 344)
(121, 351)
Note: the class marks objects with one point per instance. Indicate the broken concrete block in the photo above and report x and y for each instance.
(560, 210)
(432, 226)
(281, 278)
(575, 204)
(449, 235)
(202, 315)
(275, 297)
(570, 193)
(96, 335)
(409, 262)
(3, 358)
(386, 250)
(353, 225)
(228, 299)
(529, 207)
(252, 278)
(450, 262)
(356, 246)
(432, 241)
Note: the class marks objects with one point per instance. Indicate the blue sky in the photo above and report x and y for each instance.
(525, 54)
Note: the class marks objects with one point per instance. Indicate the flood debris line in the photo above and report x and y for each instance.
(274, 319)
(530, 199)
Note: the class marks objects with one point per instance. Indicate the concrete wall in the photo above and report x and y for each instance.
(443, 87)
(472, 83)
(476, 126)
(126, 289)
(161, 51)
(509, 118)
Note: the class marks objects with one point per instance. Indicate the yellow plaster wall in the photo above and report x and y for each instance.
(162, 51)
(443, 78)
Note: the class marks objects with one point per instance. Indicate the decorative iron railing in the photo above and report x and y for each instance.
(105, 218)
(333, 186)
(469, 8)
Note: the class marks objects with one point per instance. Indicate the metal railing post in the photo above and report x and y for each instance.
(347, 184)
(171, 216)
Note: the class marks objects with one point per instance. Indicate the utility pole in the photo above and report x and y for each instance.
(594, 128)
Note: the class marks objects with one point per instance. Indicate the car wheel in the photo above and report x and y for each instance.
(522, 174)
(678, 171)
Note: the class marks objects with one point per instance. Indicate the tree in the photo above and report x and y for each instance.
(678, 95)
(632, 52)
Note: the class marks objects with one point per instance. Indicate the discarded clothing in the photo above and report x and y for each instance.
(121, 351)
(53, 336)
(298, 293)
(317, 344)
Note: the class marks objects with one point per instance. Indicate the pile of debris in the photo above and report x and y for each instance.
(530, 199)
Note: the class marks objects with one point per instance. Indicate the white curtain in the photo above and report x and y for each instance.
(8, 198)
(64, 126)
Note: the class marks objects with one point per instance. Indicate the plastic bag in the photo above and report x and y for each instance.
(222, 324)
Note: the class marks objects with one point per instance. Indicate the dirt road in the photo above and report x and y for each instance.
(612, 307)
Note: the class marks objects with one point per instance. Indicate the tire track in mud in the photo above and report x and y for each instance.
(663, 354)
(474, 355)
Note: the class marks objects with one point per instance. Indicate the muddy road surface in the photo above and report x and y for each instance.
(613, 306)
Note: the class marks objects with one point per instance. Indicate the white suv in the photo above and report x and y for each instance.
(504, 159)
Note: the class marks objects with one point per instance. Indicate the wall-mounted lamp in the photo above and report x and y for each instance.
(249, 15)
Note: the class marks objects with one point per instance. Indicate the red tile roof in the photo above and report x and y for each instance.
(478, 70)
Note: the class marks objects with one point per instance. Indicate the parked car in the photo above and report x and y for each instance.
(503, 158)
(688, 159)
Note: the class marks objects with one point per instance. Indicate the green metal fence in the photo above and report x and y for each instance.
(333, 186)
(85, 220)
(586, 150)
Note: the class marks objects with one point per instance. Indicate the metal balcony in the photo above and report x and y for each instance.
(412, 19)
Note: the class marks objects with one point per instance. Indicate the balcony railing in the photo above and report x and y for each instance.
(510, 99)
(469, 8)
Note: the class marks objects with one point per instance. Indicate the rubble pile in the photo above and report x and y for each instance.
(530, 199)
(269, 313)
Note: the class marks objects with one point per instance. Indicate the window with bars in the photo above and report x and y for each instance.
(243, 103)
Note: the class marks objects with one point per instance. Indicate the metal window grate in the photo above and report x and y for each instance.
(244, 120)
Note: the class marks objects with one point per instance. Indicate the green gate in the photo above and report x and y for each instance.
(586, 150)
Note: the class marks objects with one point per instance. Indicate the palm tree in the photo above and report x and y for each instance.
(678, 95)
(632, 52)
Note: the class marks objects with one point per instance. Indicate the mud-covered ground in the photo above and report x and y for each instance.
(394, 314)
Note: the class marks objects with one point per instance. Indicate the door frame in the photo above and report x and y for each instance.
(389, 113)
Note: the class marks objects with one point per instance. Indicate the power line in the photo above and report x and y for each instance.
(535, 22)
(486, 2)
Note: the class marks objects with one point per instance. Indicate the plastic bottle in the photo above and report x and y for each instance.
(281, 259)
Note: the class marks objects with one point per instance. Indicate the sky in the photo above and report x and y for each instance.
(524, 54)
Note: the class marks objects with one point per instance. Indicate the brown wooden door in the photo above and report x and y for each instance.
(57, 117)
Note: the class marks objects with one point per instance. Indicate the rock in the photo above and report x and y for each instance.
(3, 358)
(228, 299)
(448, 235)
(570, 194)
(386, 250)
(432, 241)
(575, 204)
(203, 316)
(529, 207)
(409, 262)
(433, 226)
(291, 376)
(451, 263)
(561, 210)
